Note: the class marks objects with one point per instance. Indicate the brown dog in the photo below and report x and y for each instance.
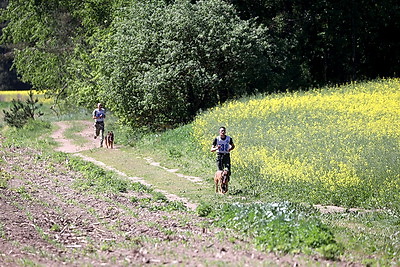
(110, 140)
(221, 179)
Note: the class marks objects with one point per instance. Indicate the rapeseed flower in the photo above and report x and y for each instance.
(333, 139)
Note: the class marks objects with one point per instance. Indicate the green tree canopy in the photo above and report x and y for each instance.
(163, 63)
(44, 35)
(336, 40)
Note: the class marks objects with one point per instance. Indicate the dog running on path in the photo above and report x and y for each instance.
(221, 179)
(110, 140)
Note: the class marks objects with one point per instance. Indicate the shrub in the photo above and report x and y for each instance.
(21, 112)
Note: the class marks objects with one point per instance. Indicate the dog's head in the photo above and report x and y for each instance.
(225, 180)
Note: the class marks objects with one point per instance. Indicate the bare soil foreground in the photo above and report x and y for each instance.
(46, 221)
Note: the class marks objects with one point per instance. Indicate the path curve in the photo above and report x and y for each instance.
(67, 146)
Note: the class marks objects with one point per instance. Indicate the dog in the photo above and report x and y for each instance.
(110, 140)
(221, 180)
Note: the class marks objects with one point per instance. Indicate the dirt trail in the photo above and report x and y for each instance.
(46, 220)
(67, 146)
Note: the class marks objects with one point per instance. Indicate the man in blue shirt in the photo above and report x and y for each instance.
(223, 145)
(99, 114)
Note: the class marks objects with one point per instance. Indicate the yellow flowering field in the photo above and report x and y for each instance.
(337, 145)
(8, 96)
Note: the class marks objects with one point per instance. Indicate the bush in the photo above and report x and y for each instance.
(21, 112)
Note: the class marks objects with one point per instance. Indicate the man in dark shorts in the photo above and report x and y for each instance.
(223, 145)
(99, 114)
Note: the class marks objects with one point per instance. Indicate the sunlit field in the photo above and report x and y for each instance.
(8, 96)
(330, 146)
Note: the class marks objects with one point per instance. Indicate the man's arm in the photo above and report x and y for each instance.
(214, 146)
(232, 145)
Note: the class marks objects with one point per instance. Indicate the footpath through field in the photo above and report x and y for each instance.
(76, 137)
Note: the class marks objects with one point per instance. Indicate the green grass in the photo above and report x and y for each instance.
(280, 227)
(369, 233)
(100, 181)
(129, 162)
(350, 160)
(35, 134)
(348, 134)
(71, 133)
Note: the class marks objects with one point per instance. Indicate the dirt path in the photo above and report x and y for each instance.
(89, 143)
(66, 145)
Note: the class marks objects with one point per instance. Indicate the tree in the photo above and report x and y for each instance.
(163, 63)
(40, 51)
(8, 77)
(44, 35)
(21, 112)
(331, 41)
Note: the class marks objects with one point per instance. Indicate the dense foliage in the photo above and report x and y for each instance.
(163, 63)
(45, 34)
(162, 67)
(332, 41)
